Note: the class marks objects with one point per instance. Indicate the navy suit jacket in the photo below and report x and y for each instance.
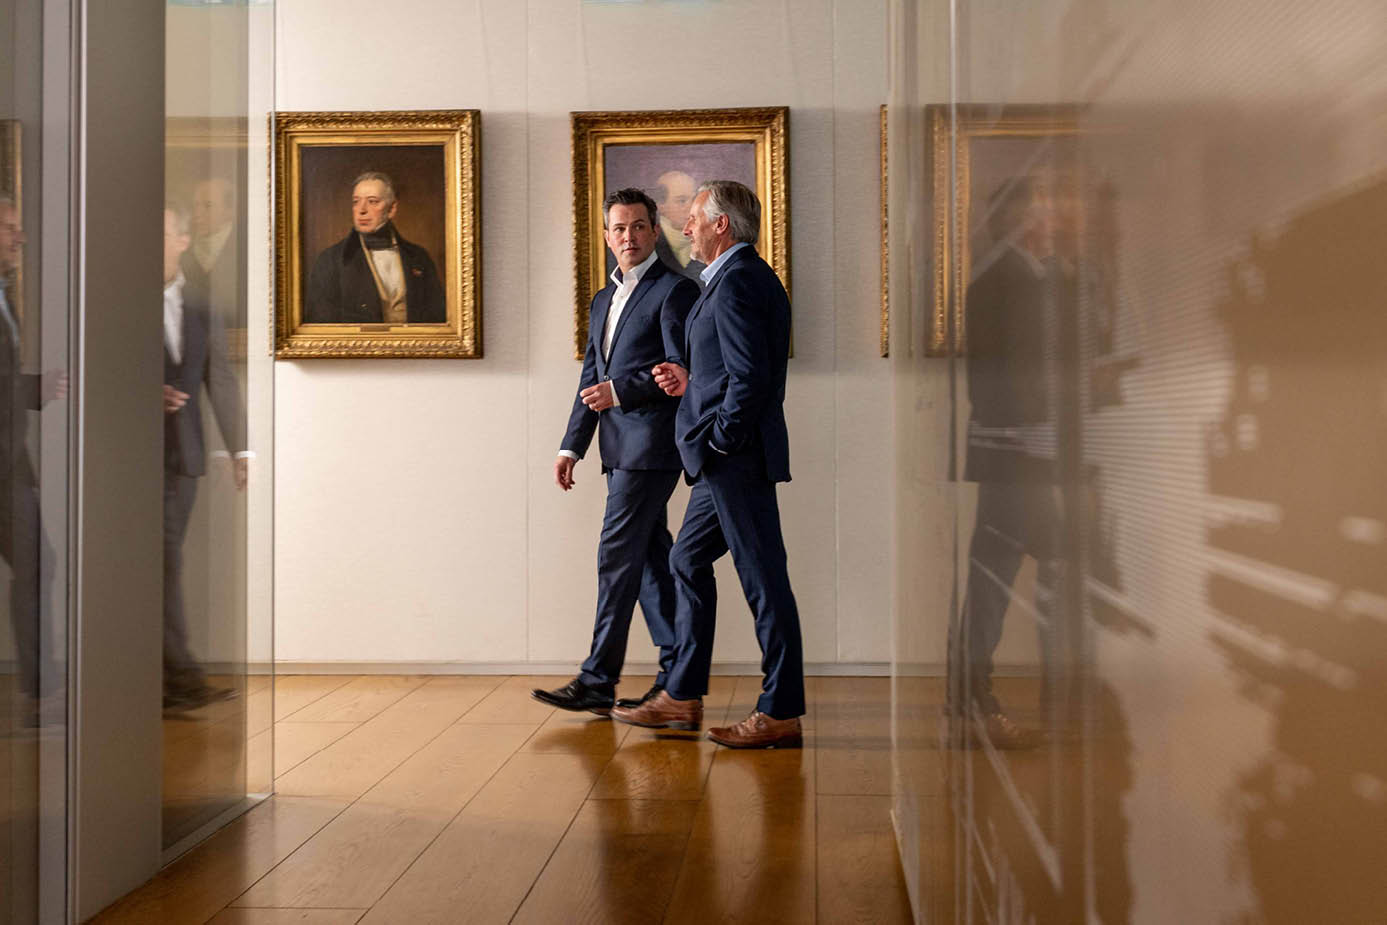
(204, 362)
(737, 339)
(639, 434)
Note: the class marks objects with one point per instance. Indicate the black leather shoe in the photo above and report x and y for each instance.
(577, 696)
(630, 703)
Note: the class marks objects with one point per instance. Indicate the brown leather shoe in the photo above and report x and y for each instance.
(760, 731)
(663, 711)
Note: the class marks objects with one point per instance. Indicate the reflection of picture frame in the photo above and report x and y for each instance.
(885, 252)
(663, 152)
(990, 140)
(11, 183)
(331, 299)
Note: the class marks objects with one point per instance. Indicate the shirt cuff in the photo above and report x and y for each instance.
(570, 454)
(246, 454)
(616, 399)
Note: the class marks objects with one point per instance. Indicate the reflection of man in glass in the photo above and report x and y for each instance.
(1012, 438)
(210, 265)
(373, 275)
(20, 533)
(674, 195)
(194, 358)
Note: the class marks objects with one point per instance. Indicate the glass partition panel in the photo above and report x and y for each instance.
(34, 455)
(217, 704)
(1148, 285)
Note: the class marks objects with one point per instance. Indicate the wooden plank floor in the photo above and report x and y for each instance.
(461, 799)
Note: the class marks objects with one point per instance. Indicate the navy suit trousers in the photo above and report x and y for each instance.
(633, 563)
(733, 507)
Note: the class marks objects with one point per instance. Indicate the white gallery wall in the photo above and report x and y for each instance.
(416, 519)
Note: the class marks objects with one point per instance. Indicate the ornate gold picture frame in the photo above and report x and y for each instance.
(667, 153)
(992, 146)
(885, 246)
(332, 300)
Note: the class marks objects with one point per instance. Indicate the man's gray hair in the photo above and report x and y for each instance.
(739, 204)
(181, 222)
(377, 175)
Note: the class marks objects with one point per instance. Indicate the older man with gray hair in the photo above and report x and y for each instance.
(373, 275)
(734, 445)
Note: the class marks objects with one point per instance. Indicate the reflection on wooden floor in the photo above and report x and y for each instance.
(460, 799)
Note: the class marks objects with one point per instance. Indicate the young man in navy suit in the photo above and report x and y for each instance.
(735, 448)
(635, 324)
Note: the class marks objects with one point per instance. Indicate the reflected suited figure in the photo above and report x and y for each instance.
(195, 359)
(22, 543)
(373, 275)
(1013, 440)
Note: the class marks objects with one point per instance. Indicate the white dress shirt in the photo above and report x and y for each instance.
(173, 317)
(625, 284)
(390, 269)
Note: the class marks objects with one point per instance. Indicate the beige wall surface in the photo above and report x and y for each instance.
(416, 517)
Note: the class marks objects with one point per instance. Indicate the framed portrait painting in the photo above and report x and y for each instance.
(378, 234)
(668, 154)
(999, 152)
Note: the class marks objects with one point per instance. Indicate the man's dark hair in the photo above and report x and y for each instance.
(630, 196)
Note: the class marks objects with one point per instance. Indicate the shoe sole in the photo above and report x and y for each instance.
(600, 711)
(792, 742)
(681, 725)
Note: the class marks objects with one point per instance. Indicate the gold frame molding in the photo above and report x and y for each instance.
(885, 246)
(458, 131)
(974, 121)
(767, 128)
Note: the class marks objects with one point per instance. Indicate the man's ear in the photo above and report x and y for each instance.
(393, 206)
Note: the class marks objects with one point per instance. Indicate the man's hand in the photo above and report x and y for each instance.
(174, 400)
(671, 377)
(598, 397)
(563, 472)
(54, 385)
(241, 471)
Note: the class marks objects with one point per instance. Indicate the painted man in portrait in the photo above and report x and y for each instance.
(373, 275)
(674, 195)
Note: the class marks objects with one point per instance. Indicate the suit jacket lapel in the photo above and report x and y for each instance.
(598, 323)
(642, 289)
(703, 297)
